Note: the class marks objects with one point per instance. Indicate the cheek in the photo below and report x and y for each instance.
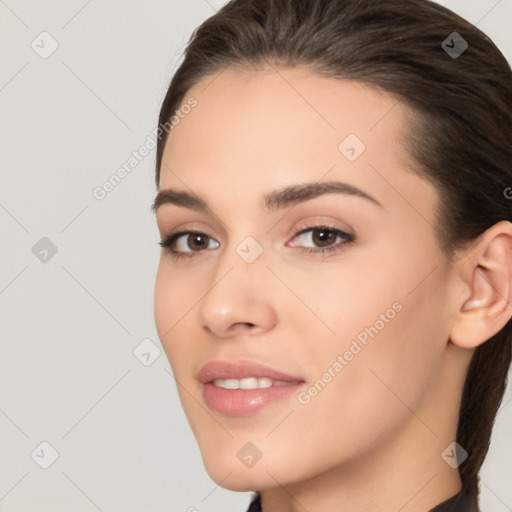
(387, 326)
(382, 380)
(173, 298)
(164, 303)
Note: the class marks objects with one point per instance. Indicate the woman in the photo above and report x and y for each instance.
(334, 290)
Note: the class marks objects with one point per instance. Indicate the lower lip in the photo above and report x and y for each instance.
(244, 402)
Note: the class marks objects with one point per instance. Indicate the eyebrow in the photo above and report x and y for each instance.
(275, 200)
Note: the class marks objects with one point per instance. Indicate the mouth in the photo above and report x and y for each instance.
(251, 383)
(242, 388)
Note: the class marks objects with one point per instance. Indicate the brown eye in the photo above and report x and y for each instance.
(323, 237)
(197, 241)
(186, 243)
(323, 240)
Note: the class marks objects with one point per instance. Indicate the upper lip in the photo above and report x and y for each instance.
(239, 370)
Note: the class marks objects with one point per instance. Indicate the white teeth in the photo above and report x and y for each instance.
(231, 384)
(249, 383)
(264, 382)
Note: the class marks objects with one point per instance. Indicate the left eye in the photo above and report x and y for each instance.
(322, 238)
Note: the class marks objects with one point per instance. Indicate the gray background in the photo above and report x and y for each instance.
(70, 324)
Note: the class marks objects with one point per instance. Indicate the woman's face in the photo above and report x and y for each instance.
(340, 292)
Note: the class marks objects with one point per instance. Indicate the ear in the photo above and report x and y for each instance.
(485, 304)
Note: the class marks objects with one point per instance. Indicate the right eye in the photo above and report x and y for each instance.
(186, 243)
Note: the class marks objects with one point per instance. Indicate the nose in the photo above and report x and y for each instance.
(239, 300)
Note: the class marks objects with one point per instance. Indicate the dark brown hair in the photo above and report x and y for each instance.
(460, 131)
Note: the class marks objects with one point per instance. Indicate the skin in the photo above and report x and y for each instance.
(372, 439)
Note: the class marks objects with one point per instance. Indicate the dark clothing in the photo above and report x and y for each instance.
(464, 501)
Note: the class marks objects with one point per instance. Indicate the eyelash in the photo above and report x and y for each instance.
(349, 239)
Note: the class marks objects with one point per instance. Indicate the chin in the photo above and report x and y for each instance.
(240, 479)
(228, 469)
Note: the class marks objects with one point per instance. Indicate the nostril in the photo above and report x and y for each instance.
(244, 325)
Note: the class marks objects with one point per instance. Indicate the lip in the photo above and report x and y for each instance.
(240, 370)
(244, 402)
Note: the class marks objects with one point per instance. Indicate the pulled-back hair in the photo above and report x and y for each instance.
(460, 132)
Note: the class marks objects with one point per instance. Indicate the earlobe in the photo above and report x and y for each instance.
(487, 273)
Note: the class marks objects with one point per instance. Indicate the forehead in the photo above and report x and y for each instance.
(262, 128)
(286, 110)
(274, 97)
